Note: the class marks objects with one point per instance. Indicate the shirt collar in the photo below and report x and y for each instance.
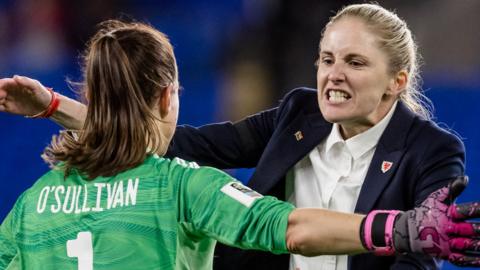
(363, 142)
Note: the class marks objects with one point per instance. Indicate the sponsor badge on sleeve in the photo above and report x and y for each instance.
(241, 193)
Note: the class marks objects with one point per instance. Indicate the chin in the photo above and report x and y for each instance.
(332, 116)
(334, 120)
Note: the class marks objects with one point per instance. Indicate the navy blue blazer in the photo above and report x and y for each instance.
(424, 157)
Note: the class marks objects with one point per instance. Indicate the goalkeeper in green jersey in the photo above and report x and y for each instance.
(112, 202)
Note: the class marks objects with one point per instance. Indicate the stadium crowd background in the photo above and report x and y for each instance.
(235, 58)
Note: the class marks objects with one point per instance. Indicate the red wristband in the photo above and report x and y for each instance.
(51, 108)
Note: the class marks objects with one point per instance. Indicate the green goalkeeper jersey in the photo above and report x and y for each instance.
(163, 214)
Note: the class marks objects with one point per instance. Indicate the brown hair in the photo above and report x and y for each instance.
(396, 39)
(126, 66)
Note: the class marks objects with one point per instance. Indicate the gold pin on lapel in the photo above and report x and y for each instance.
(298, 135)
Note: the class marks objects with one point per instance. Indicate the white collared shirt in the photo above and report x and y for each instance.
(331, 177)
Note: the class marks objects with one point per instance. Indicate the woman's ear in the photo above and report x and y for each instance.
(165, 101)
(398, 83)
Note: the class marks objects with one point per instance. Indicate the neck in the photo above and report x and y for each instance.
(349, 129)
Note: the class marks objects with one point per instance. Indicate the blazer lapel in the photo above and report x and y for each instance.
(287, 147)
(389, 151)
(377, 179)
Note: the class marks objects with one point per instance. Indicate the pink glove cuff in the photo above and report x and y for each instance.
(387, 226)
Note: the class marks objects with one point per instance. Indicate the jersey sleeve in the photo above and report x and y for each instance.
(218, 206)
(8, 246)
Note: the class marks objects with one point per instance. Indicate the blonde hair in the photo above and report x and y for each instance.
(396, 39)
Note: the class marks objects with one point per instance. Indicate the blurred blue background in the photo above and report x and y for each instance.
(235, 58)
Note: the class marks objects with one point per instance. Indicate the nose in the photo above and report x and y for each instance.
(336, 74)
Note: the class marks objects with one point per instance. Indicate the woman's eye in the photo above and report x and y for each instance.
(356, 63)
(327, 61)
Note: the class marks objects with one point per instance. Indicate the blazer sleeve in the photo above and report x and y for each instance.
(416, 262)
(225, 145)
(442, 159)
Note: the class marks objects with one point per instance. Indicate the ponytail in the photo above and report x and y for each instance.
(126, 67)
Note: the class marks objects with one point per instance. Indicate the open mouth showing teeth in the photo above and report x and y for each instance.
(337, 96)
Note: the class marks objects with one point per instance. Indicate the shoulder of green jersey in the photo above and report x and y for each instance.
(186, 164)
(241, 193)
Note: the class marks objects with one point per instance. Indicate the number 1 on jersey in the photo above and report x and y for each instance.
(82, 249)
